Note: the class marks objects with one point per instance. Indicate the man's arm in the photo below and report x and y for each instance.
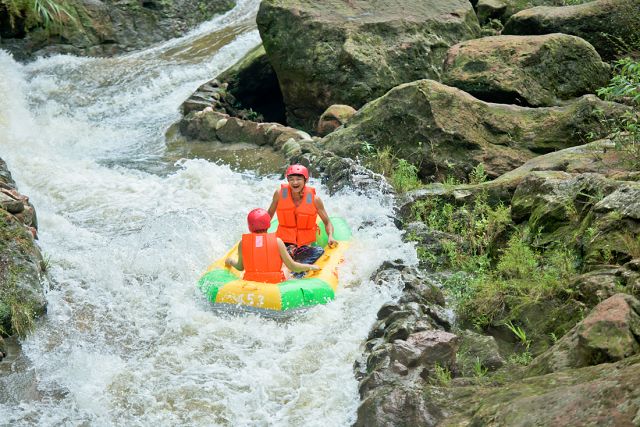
(274, 204)
(328, 226)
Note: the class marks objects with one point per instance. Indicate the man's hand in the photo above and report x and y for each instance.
(332, 243)
(314, 268)
(229, 262)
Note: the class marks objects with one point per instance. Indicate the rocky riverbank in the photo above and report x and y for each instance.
(22, 267)
(517, 184)
(102, 27)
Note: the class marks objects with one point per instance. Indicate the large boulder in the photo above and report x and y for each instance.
(503, 9)
(447, 132)
(350, 52)
(611, 26)
(599, 215)
(607, 394)
(334, 117)
(526, 70)
(608, 334)
(106, 27)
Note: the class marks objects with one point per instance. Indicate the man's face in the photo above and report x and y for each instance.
(296, 182)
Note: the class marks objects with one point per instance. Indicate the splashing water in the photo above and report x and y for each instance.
(128, 339)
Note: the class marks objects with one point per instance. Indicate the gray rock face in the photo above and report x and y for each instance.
(526, 70)
(107, 27)
(608, 334)
(611, 26)
(503, 9)
(446, 132)
(405, 347)
(21, 269)
(350, 52)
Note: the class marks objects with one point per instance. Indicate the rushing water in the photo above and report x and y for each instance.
(128, 339)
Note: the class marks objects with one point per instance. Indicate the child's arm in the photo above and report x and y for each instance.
(292, 265)
(238, 265)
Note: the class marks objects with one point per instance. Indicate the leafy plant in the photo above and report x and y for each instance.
(442, 375)
(625, 83)
(478, 175)
(520, 334)
(479, 371)
(523, 358)
(49, 14)
(404, 176)
(625, 87)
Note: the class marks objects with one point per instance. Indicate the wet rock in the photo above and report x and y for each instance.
(397, 406)
(334, 117)
(463, 131)
(107, 27)
(426, 348)
(606, 394)
(608, 334)
(596, 286)
(525, 70)
(352, 52)
(10, 204)
(476, 348)
(606, 24)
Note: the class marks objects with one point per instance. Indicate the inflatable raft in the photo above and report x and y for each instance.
(226, 289)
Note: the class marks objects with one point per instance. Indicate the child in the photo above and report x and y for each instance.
(262, 254)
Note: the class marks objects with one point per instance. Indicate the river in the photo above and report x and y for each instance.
(126, 232)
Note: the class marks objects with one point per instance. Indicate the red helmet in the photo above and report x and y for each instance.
(297, 170)
(258, 220)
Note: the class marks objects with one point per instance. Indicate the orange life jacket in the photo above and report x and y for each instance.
(261, 258)
(297, 224)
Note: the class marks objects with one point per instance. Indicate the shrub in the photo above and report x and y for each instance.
(625, 87)
(52, 15)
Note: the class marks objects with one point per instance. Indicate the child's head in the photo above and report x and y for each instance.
(258, 220)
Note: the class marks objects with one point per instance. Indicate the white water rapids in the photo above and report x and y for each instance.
(128, 339)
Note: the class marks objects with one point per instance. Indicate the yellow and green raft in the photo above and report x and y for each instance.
(226, 289)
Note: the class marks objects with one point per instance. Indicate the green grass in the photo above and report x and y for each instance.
(52, 15)
(441, 375)
(402, 175)
(17, 314)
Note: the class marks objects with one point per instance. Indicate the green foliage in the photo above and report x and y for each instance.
(625, 83)
(402, 174)
(51, 15)
(479, 371)
(522, 277)
(478, 175)
(479, 224)
(20, 313)
(523, 358)
(625, 130)
(442, 375)
(520, 334)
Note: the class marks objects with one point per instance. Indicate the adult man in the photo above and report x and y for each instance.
(298, 207)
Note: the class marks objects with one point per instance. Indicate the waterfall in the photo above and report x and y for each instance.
(128, 339)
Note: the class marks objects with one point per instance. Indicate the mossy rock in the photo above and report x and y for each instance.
(611, 26)
(21, 277)
(446, 132)
(352, 52)
(107, 27)
(526, 70)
